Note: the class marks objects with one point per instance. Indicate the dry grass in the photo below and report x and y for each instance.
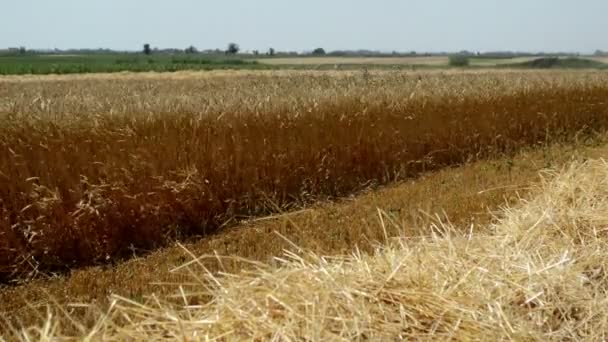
(429, 61)
(499, 61)
(204, 76)
(92, 170)
(436, 61)
(602, 59)
(537, 273)
(356, 60)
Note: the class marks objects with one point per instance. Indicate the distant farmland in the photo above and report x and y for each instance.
(433, 60)
(430, 62)
(35, 64)
(106, 63)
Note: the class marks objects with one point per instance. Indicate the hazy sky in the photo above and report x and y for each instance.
(422, 25)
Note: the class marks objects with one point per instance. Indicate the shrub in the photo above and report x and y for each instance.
(459, 60)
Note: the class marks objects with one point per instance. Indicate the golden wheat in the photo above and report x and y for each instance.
(91, 168)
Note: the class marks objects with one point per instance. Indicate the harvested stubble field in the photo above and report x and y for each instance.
(433, 60)
(95, 169)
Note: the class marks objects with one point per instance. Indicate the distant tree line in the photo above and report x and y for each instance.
(233, 49)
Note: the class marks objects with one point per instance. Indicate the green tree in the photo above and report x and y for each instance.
(190, 50)
(233, 49)
(271, 52)
(318, 51)
(147, 49)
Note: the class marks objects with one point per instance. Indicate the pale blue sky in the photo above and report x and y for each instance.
(422, 25)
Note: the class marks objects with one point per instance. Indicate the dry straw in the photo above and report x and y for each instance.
(538, 273)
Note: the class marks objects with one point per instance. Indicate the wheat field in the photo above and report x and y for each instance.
(92, 168)
(96, 169)
(537, 273)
